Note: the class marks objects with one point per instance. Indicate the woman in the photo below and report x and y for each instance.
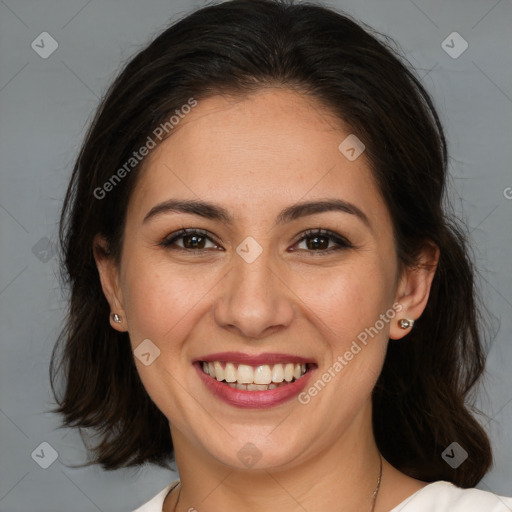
(264, 284)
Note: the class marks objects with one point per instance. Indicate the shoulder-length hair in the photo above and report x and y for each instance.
(421, 400)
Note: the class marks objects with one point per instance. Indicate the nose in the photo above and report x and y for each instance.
(254, 300)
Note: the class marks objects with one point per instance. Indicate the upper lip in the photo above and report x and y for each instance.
(254, 359)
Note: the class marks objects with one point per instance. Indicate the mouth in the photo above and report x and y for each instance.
(254, 378)
(247, 381)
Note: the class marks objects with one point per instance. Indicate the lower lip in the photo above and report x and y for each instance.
(253, 399)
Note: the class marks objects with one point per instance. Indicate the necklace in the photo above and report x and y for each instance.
(374, 494)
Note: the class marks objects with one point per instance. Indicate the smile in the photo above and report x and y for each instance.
(254, 381)
(254, 378)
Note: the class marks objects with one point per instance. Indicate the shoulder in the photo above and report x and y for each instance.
(446, 497)
(156, 503)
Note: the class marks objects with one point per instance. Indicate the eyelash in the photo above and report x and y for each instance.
(342, 242)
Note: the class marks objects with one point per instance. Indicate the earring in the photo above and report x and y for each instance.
(405, 323)
(116, 318)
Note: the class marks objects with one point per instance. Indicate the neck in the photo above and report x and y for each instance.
(339, 477)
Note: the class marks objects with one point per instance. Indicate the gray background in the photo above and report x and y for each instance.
(45, 105)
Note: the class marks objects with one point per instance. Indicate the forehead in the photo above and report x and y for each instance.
(266, 149)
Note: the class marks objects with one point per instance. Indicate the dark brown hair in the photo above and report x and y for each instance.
(421, 398)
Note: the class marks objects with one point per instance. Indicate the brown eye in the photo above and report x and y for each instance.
(323, 241)
(189, 239)
(317, 242)
(194, 241)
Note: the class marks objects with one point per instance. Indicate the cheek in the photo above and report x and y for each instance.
(348, 299)
(159, 300)
(162, 305)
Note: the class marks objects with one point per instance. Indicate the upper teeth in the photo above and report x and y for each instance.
(262, 374)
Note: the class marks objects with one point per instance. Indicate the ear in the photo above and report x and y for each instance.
(109, 277)
(414, 289)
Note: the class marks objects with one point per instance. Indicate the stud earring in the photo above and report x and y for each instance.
(116, 318)
(405, 323)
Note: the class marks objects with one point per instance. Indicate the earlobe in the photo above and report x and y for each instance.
(109, 277)
(414, 290)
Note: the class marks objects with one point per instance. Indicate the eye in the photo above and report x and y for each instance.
(322, 241)
(189, 239)
(314, 240)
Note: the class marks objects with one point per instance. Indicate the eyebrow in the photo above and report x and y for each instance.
(215, 212)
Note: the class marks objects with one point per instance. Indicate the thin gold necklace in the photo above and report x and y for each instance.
(374, 495)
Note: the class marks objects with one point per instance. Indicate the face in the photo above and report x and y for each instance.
(286, 281)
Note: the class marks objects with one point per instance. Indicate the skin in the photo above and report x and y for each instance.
(254, 156)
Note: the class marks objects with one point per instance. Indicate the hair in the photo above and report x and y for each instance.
(422, 401)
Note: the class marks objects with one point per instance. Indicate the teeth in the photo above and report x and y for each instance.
(263, 375)
(258, 378)
(219, 371)
(230, 373)
(253, 387)
(288, 372)
(278, 373)
(257, 387)
(245, 374)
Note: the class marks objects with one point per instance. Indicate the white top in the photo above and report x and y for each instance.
(434, 497)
